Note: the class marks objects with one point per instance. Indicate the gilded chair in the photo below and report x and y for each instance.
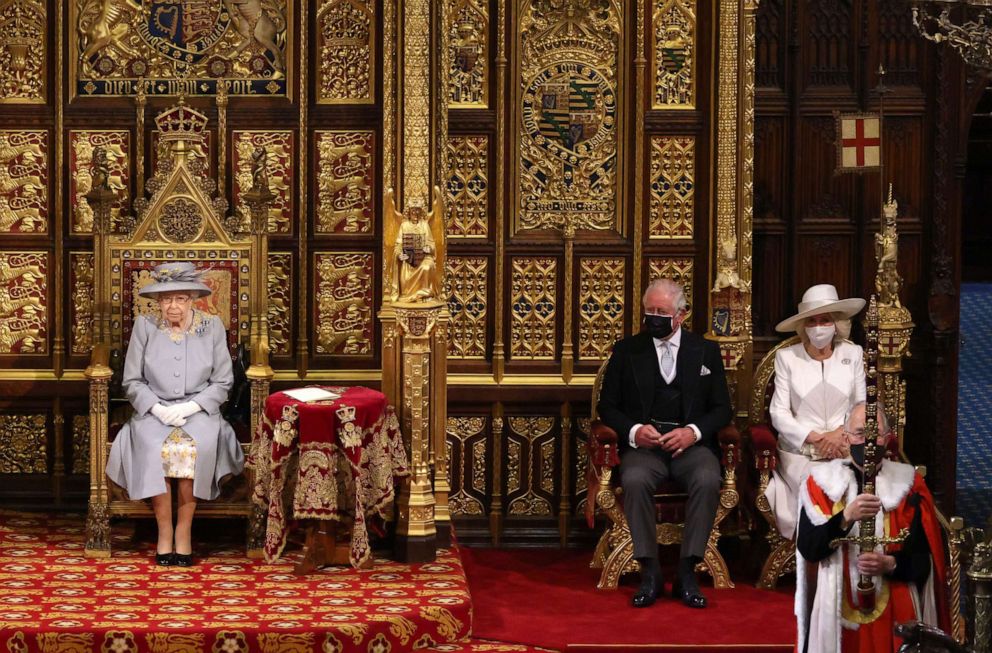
(614, 552)
(183, 218)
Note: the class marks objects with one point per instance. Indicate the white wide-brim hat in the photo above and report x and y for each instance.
(821, 298)
(176, 277)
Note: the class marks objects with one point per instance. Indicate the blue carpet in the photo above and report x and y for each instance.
(974, 468)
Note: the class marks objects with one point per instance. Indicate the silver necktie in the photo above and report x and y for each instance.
(667, 361)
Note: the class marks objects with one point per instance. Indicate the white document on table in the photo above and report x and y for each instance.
(311, 394)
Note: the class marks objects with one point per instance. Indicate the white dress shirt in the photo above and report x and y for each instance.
(674, 343)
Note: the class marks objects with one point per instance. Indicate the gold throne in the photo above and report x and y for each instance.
(183, 218)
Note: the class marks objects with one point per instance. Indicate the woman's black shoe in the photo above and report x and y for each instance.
(182, 559)
(165, 559)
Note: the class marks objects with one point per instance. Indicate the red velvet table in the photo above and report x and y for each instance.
(333, 460)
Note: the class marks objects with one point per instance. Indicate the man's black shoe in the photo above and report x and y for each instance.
(689, 593)
(648, 592)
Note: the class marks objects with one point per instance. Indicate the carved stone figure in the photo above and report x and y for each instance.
(413, 262)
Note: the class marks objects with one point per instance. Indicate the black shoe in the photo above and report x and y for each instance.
(647, 593)
(183, 559)
(689, 593)
(165, 559)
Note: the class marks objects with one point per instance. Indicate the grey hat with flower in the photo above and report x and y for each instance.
(181, 276)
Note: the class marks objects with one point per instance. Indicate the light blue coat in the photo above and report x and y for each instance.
(160, 370)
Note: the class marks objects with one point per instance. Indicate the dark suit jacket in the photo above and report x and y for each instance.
(628, 386)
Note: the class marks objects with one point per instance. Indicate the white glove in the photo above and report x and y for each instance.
(187, 408)
(168, 415)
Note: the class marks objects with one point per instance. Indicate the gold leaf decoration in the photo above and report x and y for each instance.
(466, 282)
(673, 186)
(533, 291)
(601, 303)
(23, 444)
(344, 303)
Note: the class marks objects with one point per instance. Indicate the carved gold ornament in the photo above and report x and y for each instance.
(673, 187)
(23, 181)
(601, 305)
(280, 278)
(23, 302)
(468, 186)
(81, 283)
(82, 143)
(468, 54)
(533, 308)
(23, 51)
(344, 303)
(535, 436)
(175, 48)
(345, 181)
(568, 163)
(23, 444)
(673, 50)
(466, 283)
(346, 50)
(279, 170)
(466, 442)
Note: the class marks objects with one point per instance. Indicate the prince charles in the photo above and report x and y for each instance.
(665, 394)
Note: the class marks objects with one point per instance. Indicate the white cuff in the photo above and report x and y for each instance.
(633, 432)
(695, 429)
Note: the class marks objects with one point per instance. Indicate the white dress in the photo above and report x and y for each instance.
(810, 395)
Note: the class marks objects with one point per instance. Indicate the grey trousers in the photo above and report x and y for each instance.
(697, 470)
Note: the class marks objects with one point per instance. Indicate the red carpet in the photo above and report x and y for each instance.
(549, 598)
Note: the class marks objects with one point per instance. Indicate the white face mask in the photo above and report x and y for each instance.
(820, 336)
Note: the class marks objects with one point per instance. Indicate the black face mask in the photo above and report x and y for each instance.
(858, 454)
(658, 326)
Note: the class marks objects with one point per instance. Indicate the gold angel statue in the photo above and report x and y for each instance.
(413, 259)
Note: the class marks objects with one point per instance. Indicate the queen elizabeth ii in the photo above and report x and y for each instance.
(177, 373)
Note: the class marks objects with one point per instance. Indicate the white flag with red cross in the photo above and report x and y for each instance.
(859, 146)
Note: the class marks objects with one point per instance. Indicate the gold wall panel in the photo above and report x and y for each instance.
(673, 54)
(23, 302)
(466, 286)
(23, 182)
(278, 164)
(468, 461)
(673, 187)
(80, 444)
(678, 269)
(345, 182)
(343, 304)
(468, 47)
(187, 47)
(569, 158)
(280, 277)
(23, 48)
(601, 305)
(532, 439)
(468, 187)
(81, 307)
(346, 49)
(116, 143)
(23, 444)
(533, 293)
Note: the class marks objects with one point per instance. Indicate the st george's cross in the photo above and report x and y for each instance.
(859, 142)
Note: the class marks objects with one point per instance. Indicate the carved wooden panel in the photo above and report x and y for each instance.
(673, 187)
(345, 182)
(830, 42)
(279, 166)
(533, 309)
(468, 54)
(771, 39)
(281, 281)
(822, 257)
(467, 203)
(466, 286)
(531, 465)
(673, 50)
(345, 284)
(824, 197)
(116, 143)
(81, 307)
(23, 182)
(900, 47)
(346, 41)
(602, 288)
(23, 444)
(580, 448)
(24, 302)
(468, 460)
(80, 444)
(24, 51)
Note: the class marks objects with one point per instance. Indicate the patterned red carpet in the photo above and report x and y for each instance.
(54, 600)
